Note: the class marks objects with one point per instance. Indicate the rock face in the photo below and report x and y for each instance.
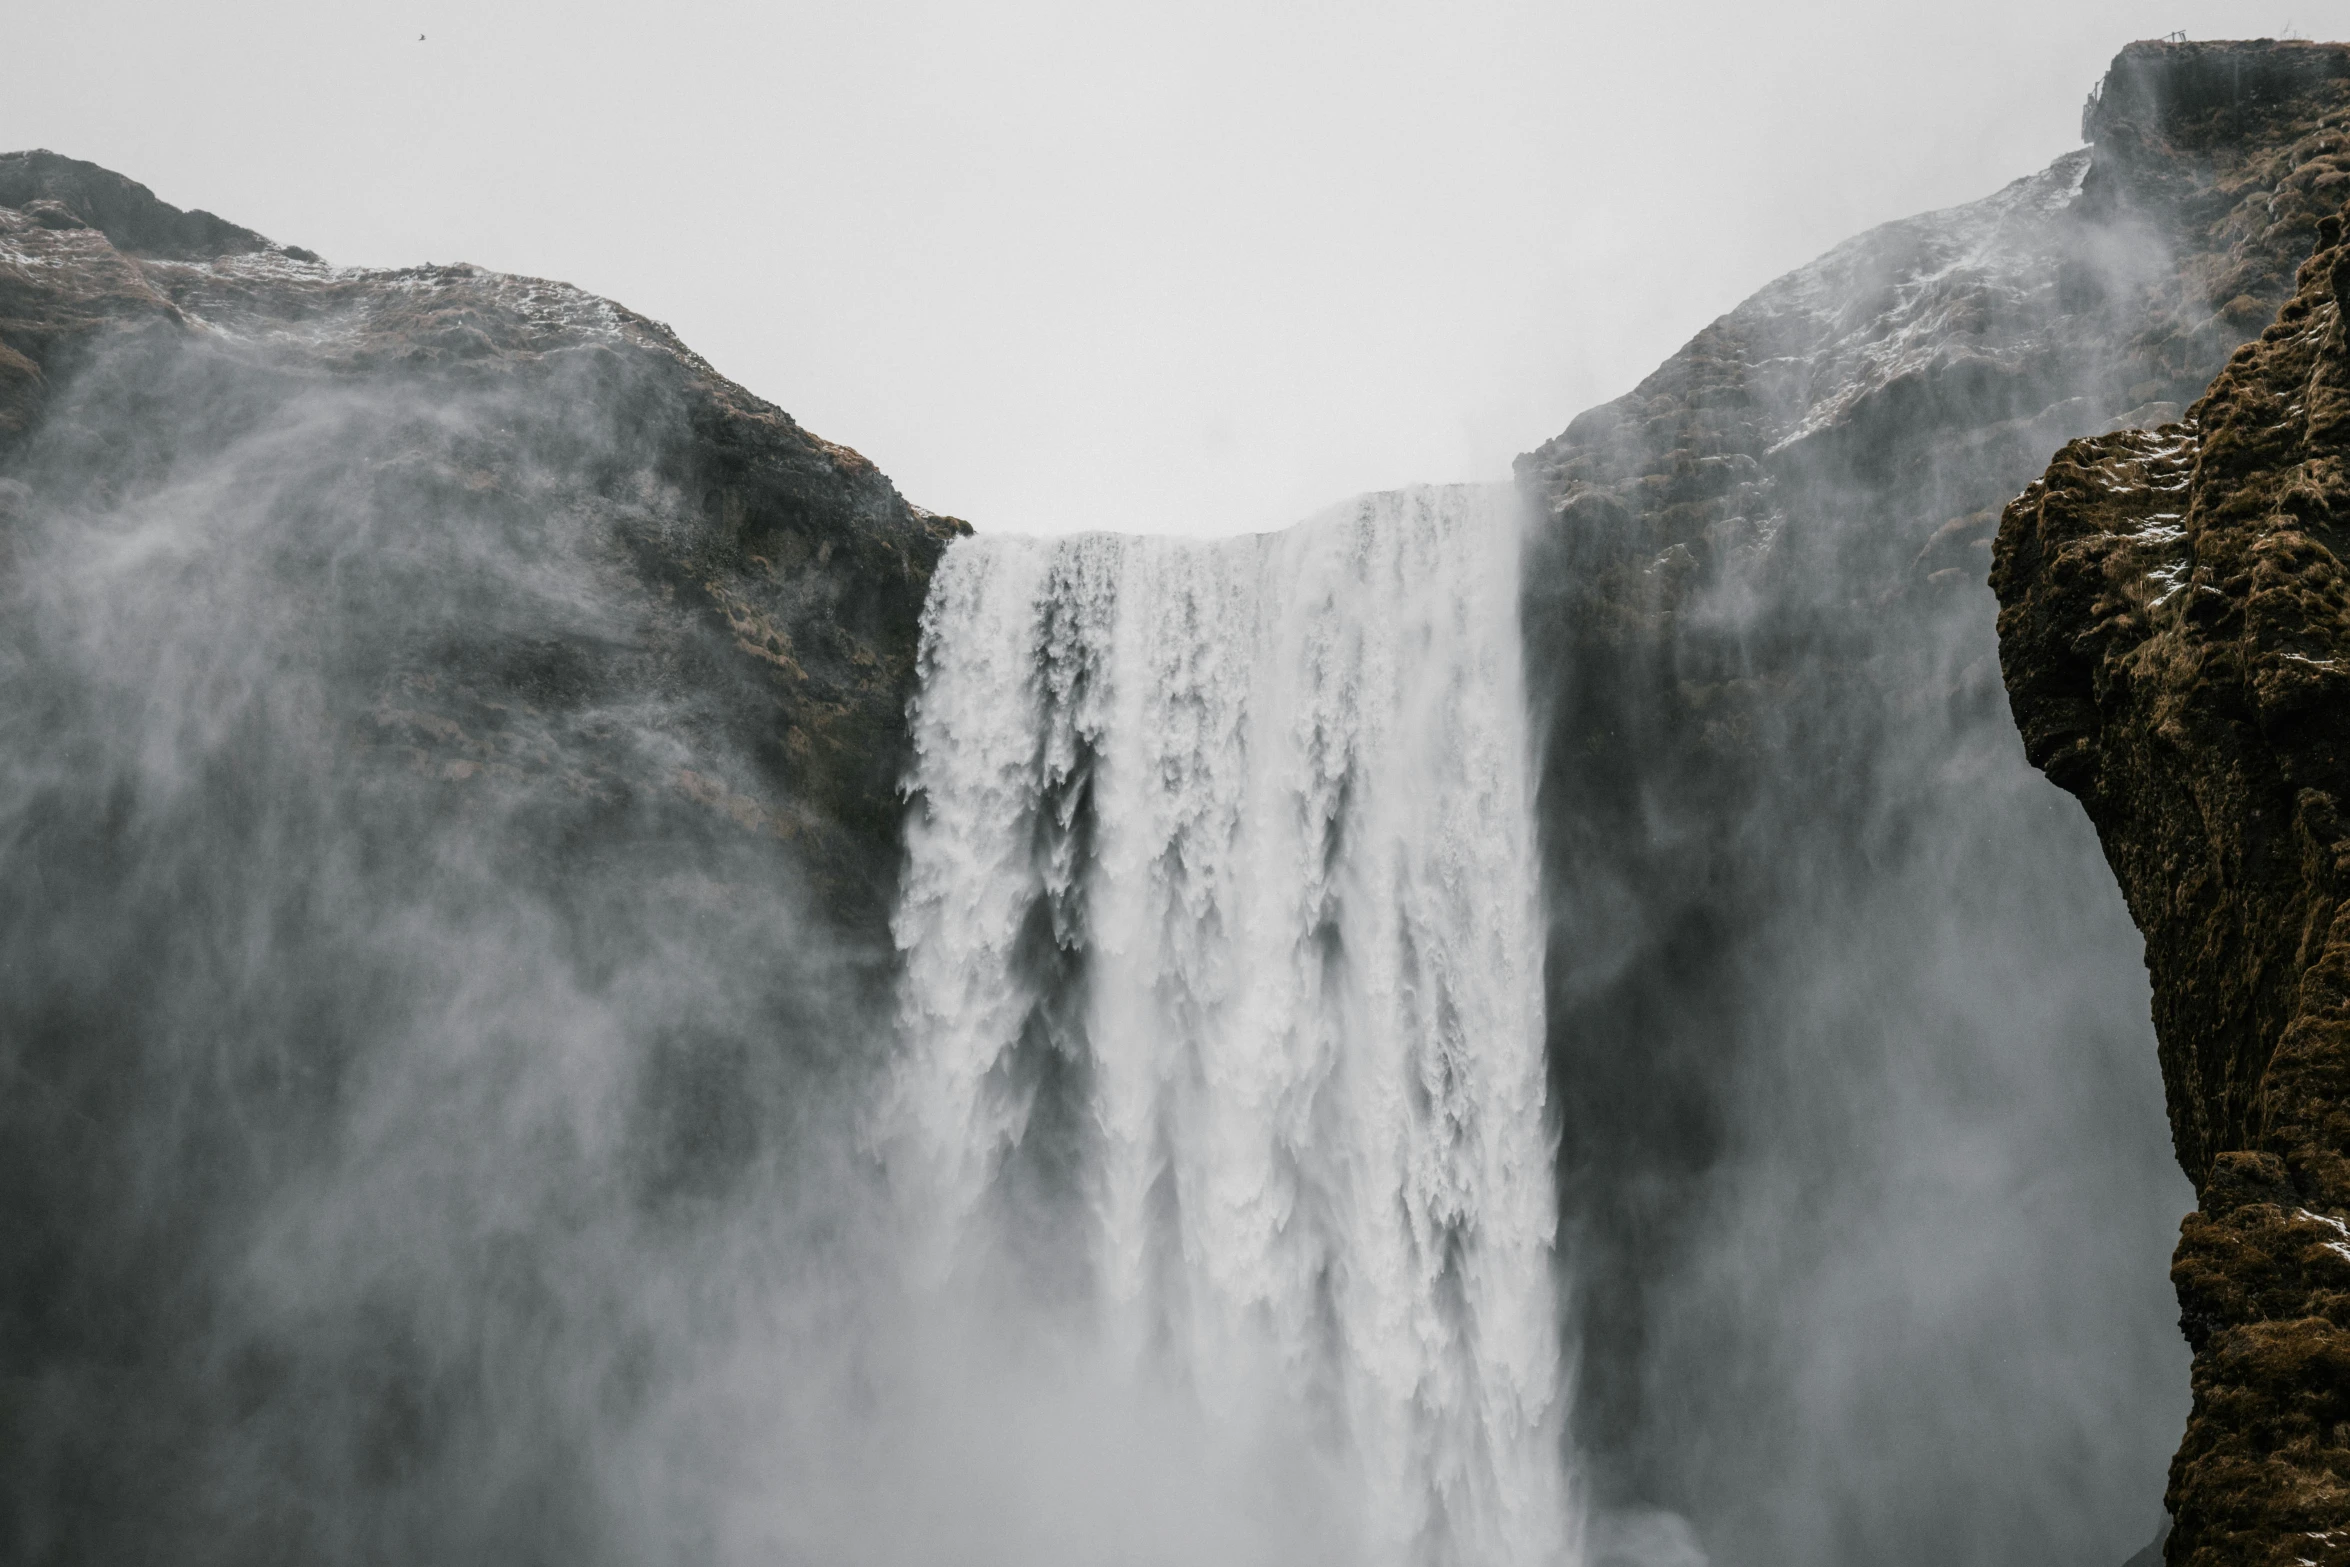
(1793, 857)
(2175, 633)
(449, 748)
(785, 566)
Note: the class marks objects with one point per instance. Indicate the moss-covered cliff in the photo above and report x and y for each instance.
(2175, 633)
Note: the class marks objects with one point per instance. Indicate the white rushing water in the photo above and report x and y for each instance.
(1222, 1009)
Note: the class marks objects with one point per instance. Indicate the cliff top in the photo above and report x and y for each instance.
(133, 219)
(2197, 93)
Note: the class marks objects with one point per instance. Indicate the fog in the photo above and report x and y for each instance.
(1184, 269)
(449, 1121)
(416, 1101)
(434, 1132)
(1866, 1187)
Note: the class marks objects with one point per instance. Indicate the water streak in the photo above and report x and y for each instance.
(1222, 1010)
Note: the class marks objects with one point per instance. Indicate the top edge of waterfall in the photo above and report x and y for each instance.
(1353, 506)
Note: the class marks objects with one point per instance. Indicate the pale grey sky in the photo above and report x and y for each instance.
(1058, 264)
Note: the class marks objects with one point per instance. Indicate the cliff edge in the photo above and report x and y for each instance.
(2174, 633)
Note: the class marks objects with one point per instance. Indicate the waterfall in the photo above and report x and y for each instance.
(1222, 1009)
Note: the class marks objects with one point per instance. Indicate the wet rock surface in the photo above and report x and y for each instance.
(2175, 634)
(1792, 852)
(449, 749)
(757, 558)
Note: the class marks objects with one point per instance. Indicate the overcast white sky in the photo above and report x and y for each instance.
(1056, 264)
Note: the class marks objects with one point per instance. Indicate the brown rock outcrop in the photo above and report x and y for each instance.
(2175, 636)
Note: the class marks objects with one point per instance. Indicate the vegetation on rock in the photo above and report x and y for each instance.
(2175, 633)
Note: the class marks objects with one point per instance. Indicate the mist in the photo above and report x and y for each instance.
(1866, 1185)
(456, 1079)
(416, 1097)
(1542, 1022)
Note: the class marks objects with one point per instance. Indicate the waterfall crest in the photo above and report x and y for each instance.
(1222, 1009)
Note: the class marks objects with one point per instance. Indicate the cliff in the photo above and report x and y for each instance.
(2175, 635)
(1802, 890)
(449, 748)
(136, 339)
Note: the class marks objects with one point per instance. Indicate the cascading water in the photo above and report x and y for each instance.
(1222, 1005)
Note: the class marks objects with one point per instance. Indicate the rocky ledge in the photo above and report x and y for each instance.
(2175, 636)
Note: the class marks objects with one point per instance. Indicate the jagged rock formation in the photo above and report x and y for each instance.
(449, 748)
(1789, 845)
(2175, 633)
